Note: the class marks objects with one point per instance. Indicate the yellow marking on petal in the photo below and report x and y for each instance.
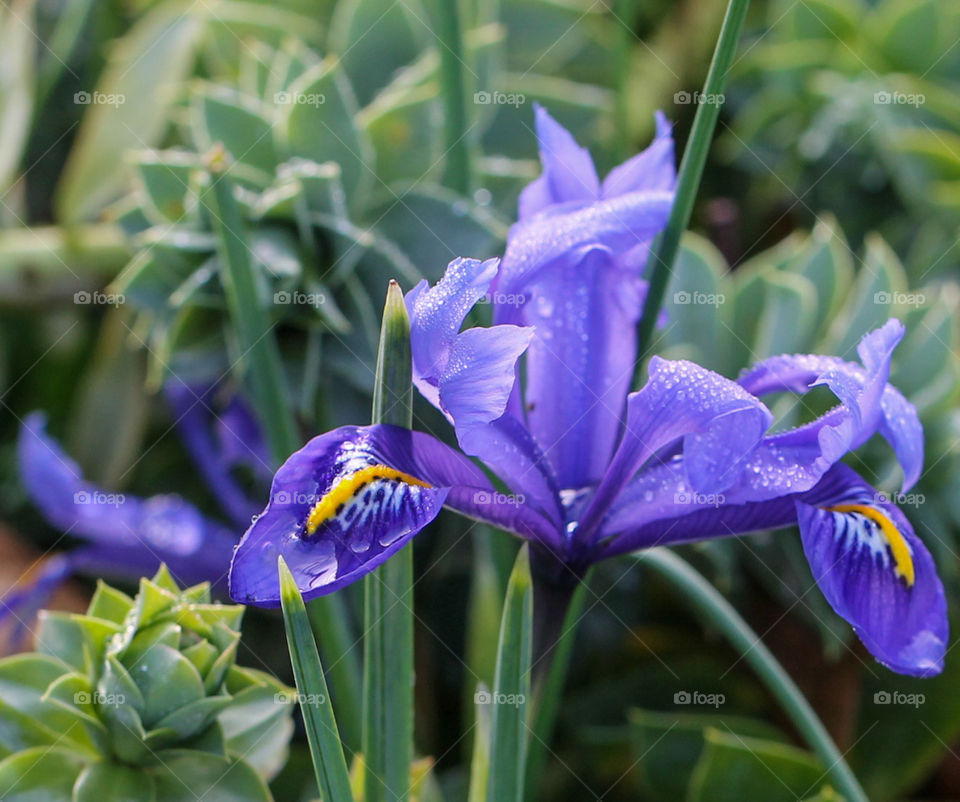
(902, 560)
(348, 487)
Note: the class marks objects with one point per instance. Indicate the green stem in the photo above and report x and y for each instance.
(665, 249)
(260, 352)
(458, 171)
(696, 591)
(388, 594)
(548, 693)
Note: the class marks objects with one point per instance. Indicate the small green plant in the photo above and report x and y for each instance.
(140, 699)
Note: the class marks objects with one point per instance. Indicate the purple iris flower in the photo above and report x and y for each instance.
(125, 536)
(541, 398)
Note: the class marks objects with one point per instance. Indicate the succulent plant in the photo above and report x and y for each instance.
(140, 699)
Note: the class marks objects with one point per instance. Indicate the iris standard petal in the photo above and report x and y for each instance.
(617, 224)
(720, 424)
(868, 402)
(476, 384)
(351, 498)
(580, 363)
(468, 375)
(568, 171)
(877, 574)
(652, 169)
(134, 534)
(437, 312)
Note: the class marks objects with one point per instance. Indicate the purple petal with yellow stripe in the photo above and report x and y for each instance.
(877, 574)
(351, 498)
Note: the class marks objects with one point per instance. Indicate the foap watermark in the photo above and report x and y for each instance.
(699, 698)
(483, 697)
(700, 499)
(97, 498)
(516, 299)
(884, 98)
(697, 298)
(99, 99)
(900, 499)
(298, 298)
(299, 98)
(295, 697)
(97, 298)
(284, 497)
(683, 98)
(98, 698)
(914, 299)
(497, 98)
(499, 499)
(899, 698)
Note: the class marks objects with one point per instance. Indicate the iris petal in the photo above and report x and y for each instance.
(877, 574)
(129, 534)
(351, 498)
(868, 403)
(568, 171)
(720, 423)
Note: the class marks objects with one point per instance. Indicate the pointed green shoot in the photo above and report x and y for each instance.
(511, 688)
(388, 593)
(333, 779)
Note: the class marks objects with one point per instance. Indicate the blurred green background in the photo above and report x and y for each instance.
(831, 201)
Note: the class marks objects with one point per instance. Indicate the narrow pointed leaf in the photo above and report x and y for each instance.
(511, 690)
(388, 593)
(329, 764)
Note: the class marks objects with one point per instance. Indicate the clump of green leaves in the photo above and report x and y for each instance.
(139, 699)
(845, 110)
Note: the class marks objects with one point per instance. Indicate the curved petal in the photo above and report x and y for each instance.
(877, 574)
(20, 604)
(477, 383)
(437, 313)
(568, 171)
(863, 552)
(580, 363)
(652, 169)
(720, 423)
(468, 375)
(351, 498)
(137, 533)
(617, 224)
(868, 402)
(659, 508)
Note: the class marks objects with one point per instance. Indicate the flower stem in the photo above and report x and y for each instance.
(458, 170)
(664, 251)
(705, 599)
(548, 691)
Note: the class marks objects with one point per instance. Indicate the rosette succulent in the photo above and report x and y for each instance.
(140, 699)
